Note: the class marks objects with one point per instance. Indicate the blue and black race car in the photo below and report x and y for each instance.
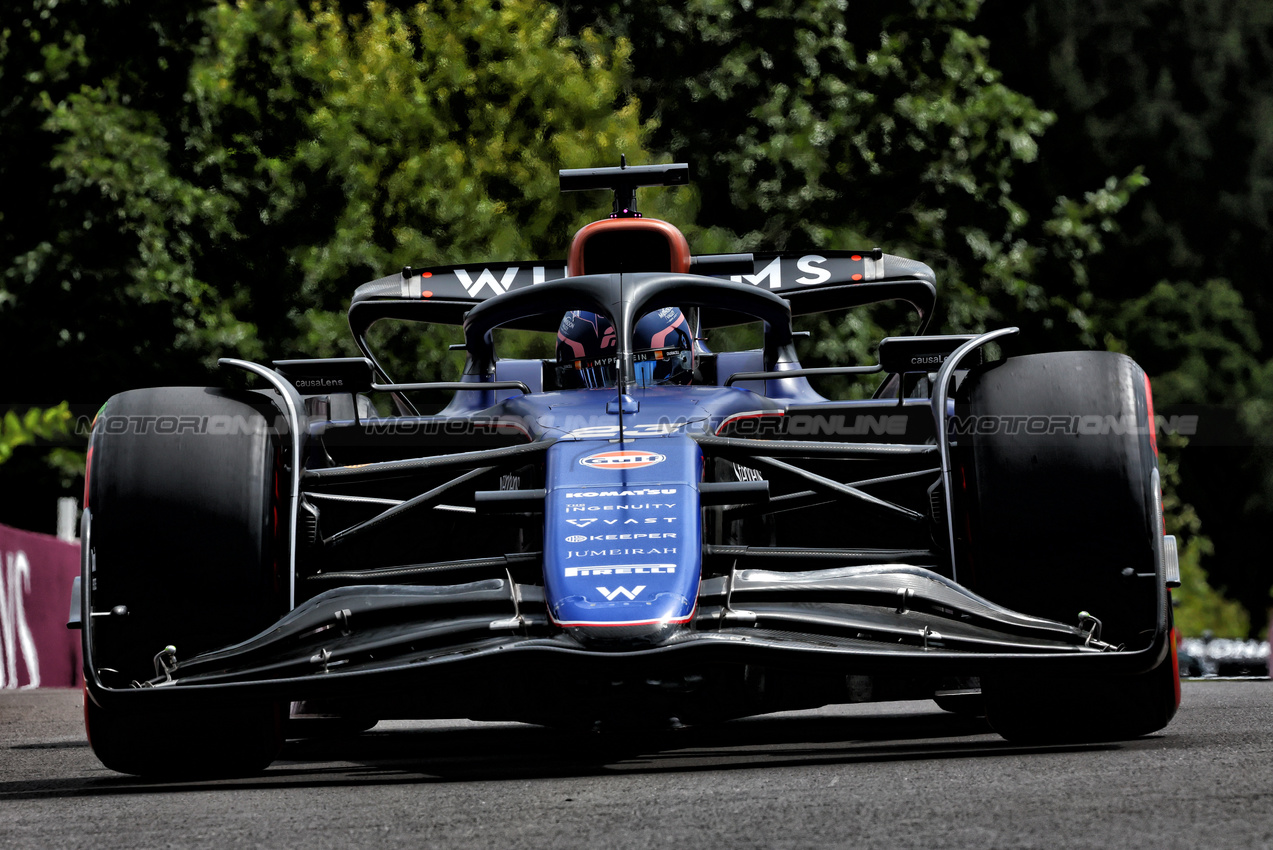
(640, 528)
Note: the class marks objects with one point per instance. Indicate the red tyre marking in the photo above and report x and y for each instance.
(1153, 429)
(88, 471)
(1175, 663)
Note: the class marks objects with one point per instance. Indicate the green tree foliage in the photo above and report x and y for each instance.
(49, 430)
(1197, 338)
(313, 151)
(35, 424)
(214, 179)
(1199, 607)
(63, 299)
(823, 124)
(218, 179)
(1183, 91)
(1180, 88)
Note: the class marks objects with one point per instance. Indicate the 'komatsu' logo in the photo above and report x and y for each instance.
(602, 494)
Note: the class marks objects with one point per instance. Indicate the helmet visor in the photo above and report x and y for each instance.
(662, 366)
(590, 372)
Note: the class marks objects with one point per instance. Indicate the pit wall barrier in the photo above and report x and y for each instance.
(36, 648)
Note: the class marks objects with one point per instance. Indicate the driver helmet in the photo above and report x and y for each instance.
(587, 350)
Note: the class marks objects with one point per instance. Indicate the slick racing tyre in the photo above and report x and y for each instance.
(1057, 471)
(222, 740)
(1072, 710)
(183, 498)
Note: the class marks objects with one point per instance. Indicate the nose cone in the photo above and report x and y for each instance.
(622, 537)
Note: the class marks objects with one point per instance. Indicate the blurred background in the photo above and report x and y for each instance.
(185, 181)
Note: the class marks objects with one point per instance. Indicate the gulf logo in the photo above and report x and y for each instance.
(622, 460)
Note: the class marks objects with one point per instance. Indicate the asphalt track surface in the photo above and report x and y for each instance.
(890, 775)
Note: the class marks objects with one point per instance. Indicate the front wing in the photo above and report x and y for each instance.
(460, 644)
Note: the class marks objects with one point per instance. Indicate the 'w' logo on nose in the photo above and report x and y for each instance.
(611, 595)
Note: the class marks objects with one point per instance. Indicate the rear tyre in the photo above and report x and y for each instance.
(1060, 488)
(184, 497)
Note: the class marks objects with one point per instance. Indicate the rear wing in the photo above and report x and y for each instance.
(812, 281)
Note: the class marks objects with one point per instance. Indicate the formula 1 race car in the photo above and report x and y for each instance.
(633, 530)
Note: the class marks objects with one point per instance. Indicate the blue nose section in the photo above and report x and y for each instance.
(623, 537)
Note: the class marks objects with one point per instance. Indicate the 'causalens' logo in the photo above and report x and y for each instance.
(622, 460)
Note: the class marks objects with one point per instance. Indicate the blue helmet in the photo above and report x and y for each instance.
(587, 349)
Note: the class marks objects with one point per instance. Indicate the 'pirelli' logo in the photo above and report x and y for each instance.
(626, 569)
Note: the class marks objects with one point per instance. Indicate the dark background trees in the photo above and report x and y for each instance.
(180, 182)
(1183, 91)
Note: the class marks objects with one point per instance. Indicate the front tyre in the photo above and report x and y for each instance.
(183, 493)
(1063, 710)
(1057, 469)
(228, 740)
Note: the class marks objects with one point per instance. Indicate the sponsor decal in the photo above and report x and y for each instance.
(623, 459)
(811, 270)
(811, 265)
(653, 535)
(318, 383)
(650, 520)
(650, 429)
(610, 595)
(770, 275)
(630, 569)
(17, 642)
(486, 278)
(610, 553)
(508, 278)
(610, 494)
(584, 507)
(36, 650)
